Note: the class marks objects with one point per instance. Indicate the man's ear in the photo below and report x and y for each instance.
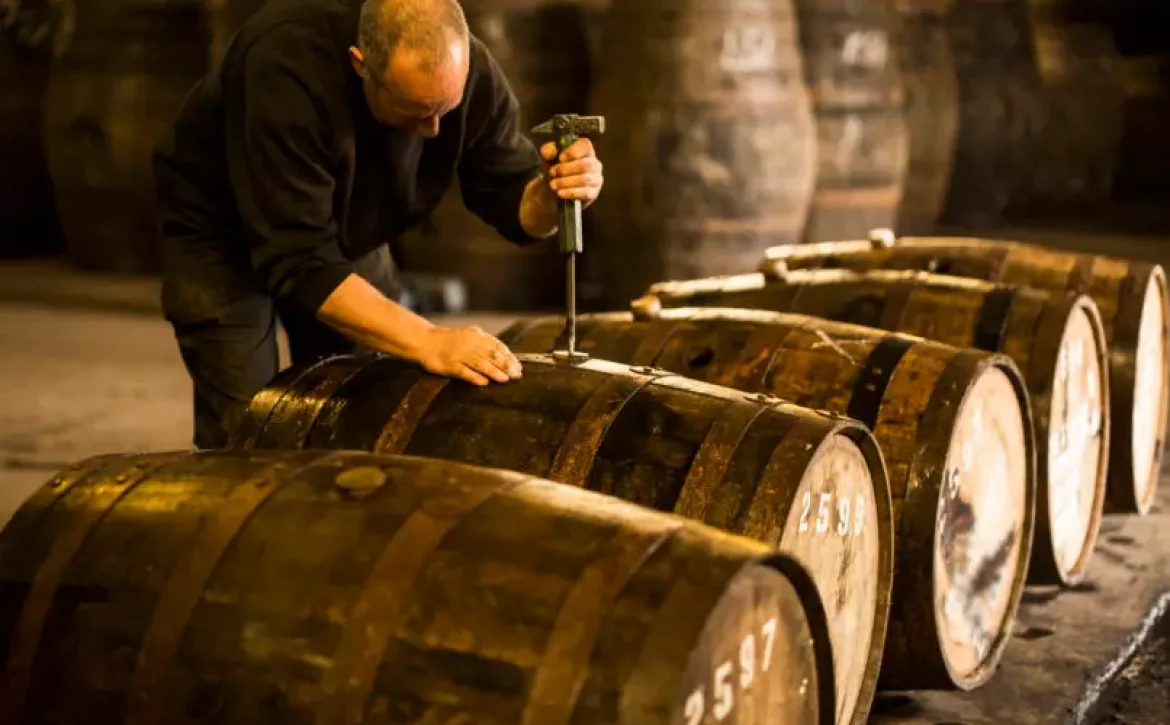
(358, 61)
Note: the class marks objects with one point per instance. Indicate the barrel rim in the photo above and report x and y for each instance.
(806, 589)
(258, 411)
(1123, 484)
(1044, 566)
(928, 657)
(861, 436)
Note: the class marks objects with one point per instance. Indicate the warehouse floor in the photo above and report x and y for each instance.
(87, 366)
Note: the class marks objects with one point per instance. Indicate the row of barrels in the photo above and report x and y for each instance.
(811, 467)
(800, 119)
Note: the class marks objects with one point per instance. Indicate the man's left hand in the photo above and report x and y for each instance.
(576, 174)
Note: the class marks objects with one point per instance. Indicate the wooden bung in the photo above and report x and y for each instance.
(954, 428)
(810, 483)
(1131, 296)
(1058, 344)
(345, 587)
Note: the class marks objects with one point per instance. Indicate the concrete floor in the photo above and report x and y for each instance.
(77, 381)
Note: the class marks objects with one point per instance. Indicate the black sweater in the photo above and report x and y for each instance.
(277, 175)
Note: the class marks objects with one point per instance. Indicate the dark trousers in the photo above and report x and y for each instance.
(233, 354)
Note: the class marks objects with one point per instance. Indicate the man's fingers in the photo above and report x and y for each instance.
(548, 151)
(574, 182)
(579, 149)
(485, 366)
(574, 168)
(472, 376)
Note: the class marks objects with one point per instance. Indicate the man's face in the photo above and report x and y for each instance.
(410, 96)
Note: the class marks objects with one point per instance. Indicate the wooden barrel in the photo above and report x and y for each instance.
(1143, 172)
(544, 48)
(1133, 301)
(932, 101)
(1058, 343)
(711, 149)
(960, 537)
(998, 87)
(111, 96)
(27, 213)
(857, 95)
(342, 587)
(1078, 114)
(810, 483)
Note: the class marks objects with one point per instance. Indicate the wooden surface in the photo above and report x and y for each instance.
(344, 587)
(901, 387)
(765, 469)
(713, 145)
(997, 86)
(928, 76)
(856, 86)
(1130, 294)
(1027, 325)
(112, 95)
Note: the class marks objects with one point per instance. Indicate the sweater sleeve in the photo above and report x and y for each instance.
(498, 160)
(279, 163)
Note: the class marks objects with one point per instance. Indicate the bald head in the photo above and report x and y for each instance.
(412, 56)
(427, 29)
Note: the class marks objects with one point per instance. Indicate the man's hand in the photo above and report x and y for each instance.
(576, 174)
(360, 312)
(468, 353)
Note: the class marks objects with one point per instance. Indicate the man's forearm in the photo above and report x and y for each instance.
(538, 209)
(359, 311)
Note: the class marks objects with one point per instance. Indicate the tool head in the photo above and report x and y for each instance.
(571, 124)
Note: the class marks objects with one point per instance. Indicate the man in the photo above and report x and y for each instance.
(328, 128)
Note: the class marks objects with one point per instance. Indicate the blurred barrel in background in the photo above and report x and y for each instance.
(545, 48)
(710, 149)
(28, 216)
(998, 85)
(1077, 125)
(112, 94)
(931, 90)
(856, 88)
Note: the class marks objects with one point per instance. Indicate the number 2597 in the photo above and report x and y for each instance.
(722, 682)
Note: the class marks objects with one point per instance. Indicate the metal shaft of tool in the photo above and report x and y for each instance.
(571, 300)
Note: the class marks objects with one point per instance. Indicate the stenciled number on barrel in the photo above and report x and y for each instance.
(821, 523)
(722, 682)
(747, 48)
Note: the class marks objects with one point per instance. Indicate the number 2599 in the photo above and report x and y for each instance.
(722, 683)
(829, 516)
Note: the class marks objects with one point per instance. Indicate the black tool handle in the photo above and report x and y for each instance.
(571, 238)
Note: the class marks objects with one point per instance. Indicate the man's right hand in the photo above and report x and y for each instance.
(467, 353)
(364, 315)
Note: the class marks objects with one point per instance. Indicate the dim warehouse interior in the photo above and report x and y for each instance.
(590, 362)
